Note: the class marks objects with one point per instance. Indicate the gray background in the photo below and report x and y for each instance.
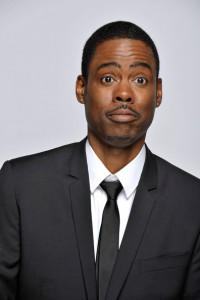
(40, 53)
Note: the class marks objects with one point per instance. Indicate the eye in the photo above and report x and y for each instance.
(107, 79)
(141, 80)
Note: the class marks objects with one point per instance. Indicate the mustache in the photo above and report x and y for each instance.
(123, 106)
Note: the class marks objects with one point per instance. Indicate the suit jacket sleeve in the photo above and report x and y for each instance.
(192, 285)
(9, 235)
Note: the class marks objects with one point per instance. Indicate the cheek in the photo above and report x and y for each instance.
(97, 102)
(148, 110)
(149, 97)
(100, 93)
(93, 111)
(146, 106)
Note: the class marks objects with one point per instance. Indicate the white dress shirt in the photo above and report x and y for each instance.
(129, 177)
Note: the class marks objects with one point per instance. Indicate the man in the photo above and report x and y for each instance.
(59, 226)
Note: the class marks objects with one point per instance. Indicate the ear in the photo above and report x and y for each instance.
(80, 89)
(159, 92)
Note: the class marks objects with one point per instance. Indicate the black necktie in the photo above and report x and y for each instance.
(108, 238)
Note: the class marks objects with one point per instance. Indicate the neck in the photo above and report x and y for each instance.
(115, 158)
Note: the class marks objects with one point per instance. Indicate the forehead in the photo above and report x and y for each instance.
(123, 51)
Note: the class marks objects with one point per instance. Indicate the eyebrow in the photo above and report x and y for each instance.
(112, 63)
(140, 64)
(134, 65)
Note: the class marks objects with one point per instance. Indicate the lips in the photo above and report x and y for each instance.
(122, 115)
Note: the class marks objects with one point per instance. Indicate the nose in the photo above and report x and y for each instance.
(123, 92)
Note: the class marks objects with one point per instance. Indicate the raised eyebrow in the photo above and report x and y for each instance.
(140, 64)
(112, 63)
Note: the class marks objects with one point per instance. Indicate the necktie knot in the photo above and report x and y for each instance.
(112, 188)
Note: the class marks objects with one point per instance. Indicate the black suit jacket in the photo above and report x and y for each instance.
(46, 240)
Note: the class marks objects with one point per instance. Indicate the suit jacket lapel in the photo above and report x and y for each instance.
(81, 209)
(138, 221)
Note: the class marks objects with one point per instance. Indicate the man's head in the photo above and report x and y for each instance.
(115, 30)
(119, 85)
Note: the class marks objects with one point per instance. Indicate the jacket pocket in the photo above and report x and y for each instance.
(165, 262)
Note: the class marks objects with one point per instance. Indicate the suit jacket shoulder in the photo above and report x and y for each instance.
(177, 179)
(168, 167)
(56, 155)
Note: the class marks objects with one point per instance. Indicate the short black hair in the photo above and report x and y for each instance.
(115, 30)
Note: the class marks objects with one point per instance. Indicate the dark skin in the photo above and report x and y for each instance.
(120, 98)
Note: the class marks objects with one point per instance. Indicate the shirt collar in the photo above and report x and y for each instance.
(129, 176)
(97, 171)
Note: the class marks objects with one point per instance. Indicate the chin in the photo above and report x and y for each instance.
(120, 141)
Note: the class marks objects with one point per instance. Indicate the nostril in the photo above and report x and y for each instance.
(123, 99)
(119, 99)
